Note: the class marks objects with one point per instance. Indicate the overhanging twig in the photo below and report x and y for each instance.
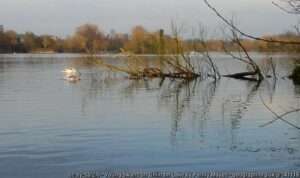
(243, 33)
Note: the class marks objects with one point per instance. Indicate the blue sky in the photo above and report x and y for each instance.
(61, 17)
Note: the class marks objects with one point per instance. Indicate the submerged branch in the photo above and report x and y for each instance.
(243, 76)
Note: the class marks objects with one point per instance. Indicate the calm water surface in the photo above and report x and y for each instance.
(52, 128)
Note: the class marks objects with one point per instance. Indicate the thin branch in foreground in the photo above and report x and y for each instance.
(226, 21)
(284, 9)
(294, 6)
(279, 117)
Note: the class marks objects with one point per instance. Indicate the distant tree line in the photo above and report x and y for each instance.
(89, 38)
(255, 45)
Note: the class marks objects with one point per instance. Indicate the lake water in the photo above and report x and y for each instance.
(52, 128)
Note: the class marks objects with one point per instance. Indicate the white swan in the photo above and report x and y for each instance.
(71, 74)
(70, 71)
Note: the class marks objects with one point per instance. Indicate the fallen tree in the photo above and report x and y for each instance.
(181, 64)
(170, 67)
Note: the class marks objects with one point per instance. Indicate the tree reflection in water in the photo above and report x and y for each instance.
(180, 96)
(215, 110)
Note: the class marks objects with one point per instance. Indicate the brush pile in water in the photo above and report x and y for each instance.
(179, 67)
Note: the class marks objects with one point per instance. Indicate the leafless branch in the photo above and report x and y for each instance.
(202, 34)
(232, 26)
(293, 6)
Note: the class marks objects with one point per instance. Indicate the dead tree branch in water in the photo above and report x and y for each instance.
(235, 28)
(255, 74)
(174, 68)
